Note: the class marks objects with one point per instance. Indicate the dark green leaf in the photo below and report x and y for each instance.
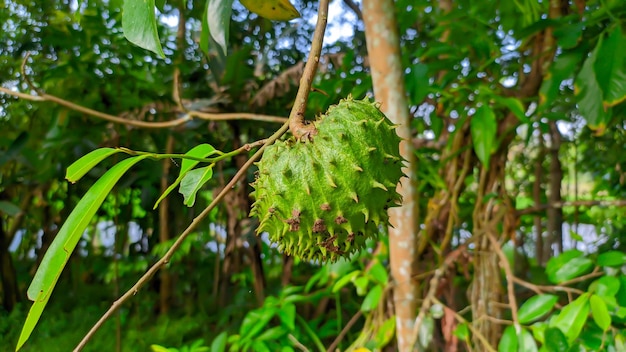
(483, 127)
(600, 312)
(9, 208)
(193, 181)
(573, 317)
(567, 265)
(611, 258)
(589, 95)
(536, 307)
(610, 68)
(80, 167)
(16, 146)
(65, 241)
(514, 105)
(508, 341)
(560, 70)
(218, 20)
(139, 24)
(555, 340)
(371, 300)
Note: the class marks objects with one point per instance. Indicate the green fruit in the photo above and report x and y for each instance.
(323, 196)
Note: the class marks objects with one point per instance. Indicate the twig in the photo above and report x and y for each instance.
(344, 331)
(509, 278)
(476, 333)
(296, 119)
(300, 105)
(580, 203)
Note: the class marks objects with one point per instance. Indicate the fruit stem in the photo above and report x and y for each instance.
(298, 127)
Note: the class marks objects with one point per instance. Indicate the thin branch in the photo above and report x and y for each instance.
(344, 331)
(300, 105)
(580, 203)
(509, 278)
(462, 320)
(297, 125)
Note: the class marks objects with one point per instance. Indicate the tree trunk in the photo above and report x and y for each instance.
(555, 214)
(8, 276)
(383, 44)
(165, 283)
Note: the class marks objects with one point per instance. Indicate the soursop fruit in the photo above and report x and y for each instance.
(323, 196)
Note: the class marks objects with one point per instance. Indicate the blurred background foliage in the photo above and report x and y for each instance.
(225, 286)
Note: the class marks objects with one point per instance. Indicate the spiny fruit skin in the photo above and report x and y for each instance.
(320, 198)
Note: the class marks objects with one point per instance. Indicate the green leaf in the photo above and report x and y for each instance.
(287, 315)
(254, 322)
(345, 280)
(462, 331)
(573, 317)
(379, 273)
(218, 20)
(536, 307)
(65, 241)
(425, 335)
(567, 265)
(589, 95)
(560, 70)
(555, 340)
(514, 105)
(14, 149)
(606, 286)
(527, 342)
(80, 167)
(600, 312)
(139, 25)
(483, 127)
(199, 151)
(385, 332)
(371, 300)
(159, 348)
(272, 333)
(610, 69)
(508, 341)
(611, 258)
(9, 208)
(193, 181)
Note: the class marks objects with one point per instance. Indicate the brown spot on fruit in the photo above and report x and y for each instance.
(325, 207)
(340, 220)
(319, 226)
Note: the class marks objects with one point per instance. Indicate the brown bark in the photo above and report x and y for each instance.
(555, 214)
(166, 282)
(8, 276)
(537, 192)
(388, 79)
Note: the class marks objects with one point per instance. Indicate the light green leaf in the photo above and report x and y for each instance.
(536, 307)
(287, 315)
(527, 342)
(567, 265)
(64, 243)
(218, 20)
(573, 317)
(508, 341)
(462, 331)
(219, 343)
(611, 258)
(483, 127)
(80, 167)
(379, 273)
(140, 26)
(606, 286)
(600, 312)
(371, 300)
(345, 280)
(199, 151)
(193, 181)
(610, 69)
(386, 332)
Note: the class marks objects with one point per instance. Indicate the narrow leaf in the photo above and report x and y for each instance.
(483, 127)
(139, 25)
(64, 243)
(193, 181)
(371, 300)
(219, 343)
(610, 70)
(600, 312)
(199, 151)
(536, 307)
(82, 166)
(218, 20)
